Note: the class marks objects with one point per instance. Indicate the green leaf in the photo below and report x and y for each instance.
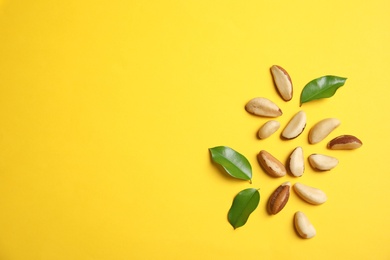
(234, 163)
(323, 87)
(243, 205)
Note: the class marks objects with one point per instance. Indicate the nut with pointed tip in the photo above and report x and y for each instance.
(303, 226)
(279, 198)
(268, 129)
(260, 106)
(296, 126)
(323, 162)
(296, 162)
(322, 129)
(282, 82)
(270, 164)
(345, 142)
(310, 194)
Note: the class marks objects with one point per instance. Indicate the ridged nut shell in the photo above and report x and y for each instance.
(322, 129)
(345, 142)
(322, 162)
(282, 82)
(303, 225)
(270, 164)
(260, 106)
(310, 194)
(295, 126)
(269, 128)
(279, 198)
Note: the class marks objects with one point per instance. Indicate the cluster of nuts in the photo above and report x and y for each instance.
(264, 107)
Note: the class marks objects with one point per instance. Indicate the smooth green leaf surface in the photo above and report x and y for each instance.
(234, 163)
(323, 87)
(243, 205)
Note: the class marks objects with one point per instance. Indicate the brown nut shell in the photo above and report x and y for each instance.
(345, 142)
(271, 165)
(279, 198)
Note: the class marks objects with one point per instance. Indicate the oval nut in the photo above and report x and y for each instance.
(260, 106)
(282, 82)
(322, 129)
(270, 164)
(279, 198)
(303, 225)
(345, 142)
(296, 163)
(296, 126)
(310, 194)
(269, 128)
(322, 162)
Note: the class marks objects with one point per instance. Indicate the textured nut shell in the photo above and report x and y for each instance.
(279, 198)
(268, 129)
(296, 163)
(282, 82)
(345, 142)
(296, 126)
(271, 165)
(263, 107)
(322, 129)
(310, 194)
(323, 162)
(303, 226)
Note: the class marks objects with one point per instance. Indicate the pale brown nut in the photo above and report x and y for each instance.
(345, 142)
(296, 162)
(269, 128)
(296, 126)
(282, 82)
(303, 225)
(322, 129)
(310, 194)
(260, 106)
(271, 165)
(322, 162)
(279, 198)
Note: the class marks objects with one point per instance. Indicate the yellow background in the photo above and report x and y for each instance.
(108, 108)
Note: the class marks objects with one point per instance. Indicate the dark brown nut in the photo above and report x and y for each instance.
(345, 142)
(279, 198)
(271, 165)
